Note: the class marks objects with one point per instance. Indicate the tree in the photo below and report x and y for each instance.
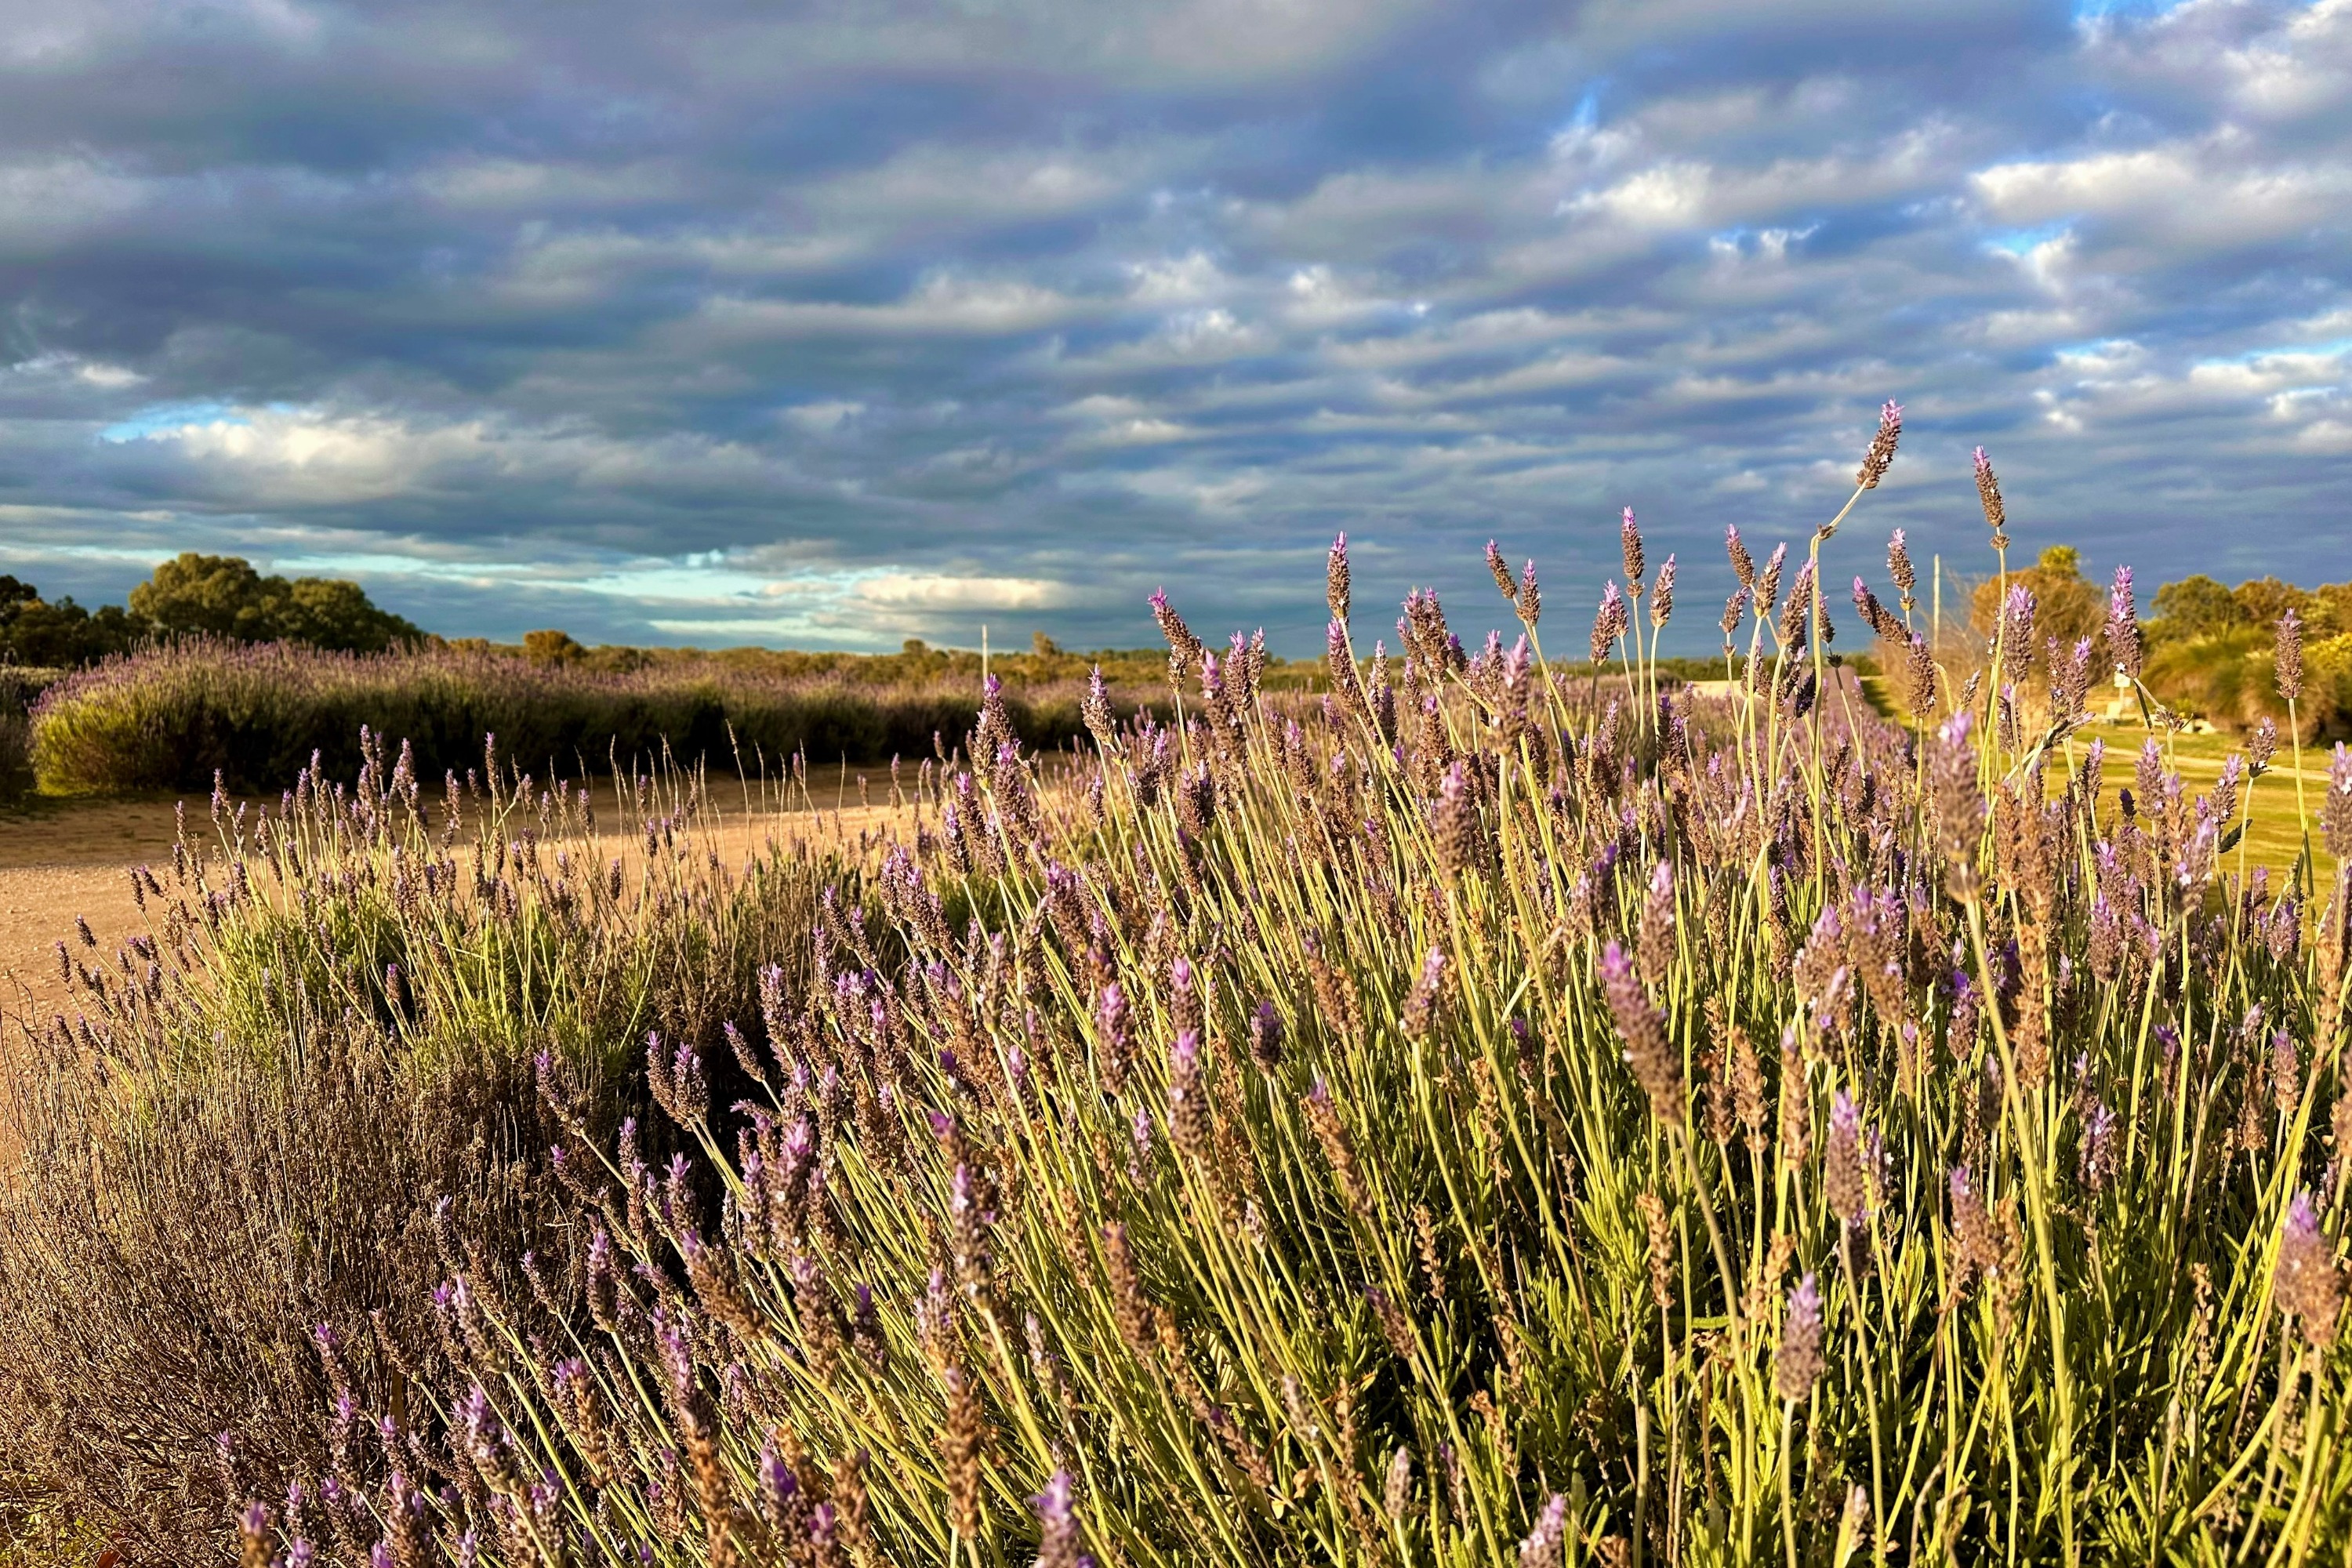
(205, 595)
(551, 647)
(2067, 607)
(2262, 600)
(224, 596)
(2196, 607)
(32, 631)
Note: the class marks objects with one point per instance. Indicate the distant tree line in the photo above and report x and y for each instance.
(196, 595)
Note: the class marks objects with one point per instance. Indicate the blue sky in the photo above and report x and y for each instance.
(837, 323)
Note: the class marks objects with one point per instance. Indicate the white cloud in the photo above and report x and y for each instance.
(823, 418)
(931, 591)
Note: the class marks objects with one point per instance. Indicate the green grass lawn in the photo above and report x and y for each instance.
(2274, 836)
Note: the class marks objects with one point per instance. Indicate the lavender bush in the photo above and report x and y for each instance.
(1486, 1115)
(175, 716)
(307, 1094)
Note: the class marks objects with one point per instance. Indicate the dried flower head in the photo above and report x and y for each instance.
(1743, 565)
(1920, 673)
(2287, 656)
(1464, 847)
(1989, 492)
(1501, 571)
(2262, 745)
(1609, 623)
(1184, 650)
(1876, 615)
(1733, 609)
(1628, 539)
(1960, 809)
(1658, 1231)
(1662, 595)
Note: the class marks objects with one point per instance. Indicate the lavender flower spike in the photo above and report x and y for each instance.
(1656, 1065)
(2123, 626)
(1547, 1544)
(1799, 1364)
(1057, 1524)
(1881, 456)
(1988, 493)
(1609, 623)
(2306, 1284)
(1502, 572)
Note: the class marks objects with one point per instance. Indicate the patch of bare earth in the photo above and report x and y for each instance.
(60, 860)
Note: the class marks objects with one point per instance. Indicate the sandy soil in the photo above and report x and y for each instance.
(63, 858)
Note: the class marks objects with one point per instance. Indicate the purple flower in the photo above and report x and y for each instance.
(1265, 1036)
(2305, 1283)
(1881, 455)
(1655, 1063)
(1841, 1161)
(2123, 625)
(1799, 1364)
(1547, 1544)
(1057, 1524)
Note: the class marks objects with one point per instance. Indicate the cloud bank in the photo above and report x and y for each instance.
(844, 323)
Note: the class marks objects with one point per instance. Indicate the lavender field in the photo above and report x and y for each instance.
(178, 715)
(1491, 1110)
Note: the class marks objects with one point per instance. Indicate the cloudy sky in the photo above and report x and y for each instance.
(836, 323)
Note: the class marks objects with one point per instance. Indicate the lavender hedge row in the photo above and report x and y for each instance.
(169, 717)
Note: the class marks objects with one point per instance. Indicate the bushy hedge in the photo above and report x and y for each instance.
(169, 717)
(20, 687)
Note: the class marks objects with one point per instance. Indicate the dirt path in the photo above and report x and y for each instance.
(61, 860)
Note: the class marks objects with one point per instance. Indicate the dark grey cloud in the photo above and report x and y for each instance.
(849, 322)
